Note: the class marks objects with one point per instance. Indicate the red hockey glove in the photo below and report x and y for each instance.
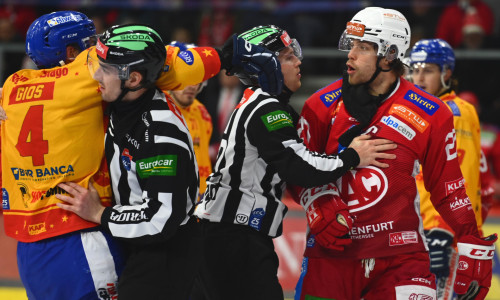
(328, 217)
(474, 270)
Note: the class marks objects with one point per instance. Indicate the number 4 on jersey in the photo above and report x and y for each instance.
(30, 141)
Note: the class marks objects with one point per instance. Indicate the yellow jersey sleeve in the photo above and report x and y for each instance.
(467, 129)
(190, 67)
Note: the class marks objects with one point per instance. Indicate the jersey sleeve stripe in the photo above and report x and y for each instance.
(165, 139)
(147, 227)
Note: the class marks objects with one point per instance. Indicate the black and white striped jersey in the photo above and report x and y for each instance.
(153, 170)
(260, 151)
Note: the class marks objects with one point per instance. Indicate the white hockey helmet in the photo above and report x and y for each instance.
(387, 28)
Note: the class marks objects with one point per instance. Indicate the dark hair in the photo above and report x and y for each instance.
(398, 67)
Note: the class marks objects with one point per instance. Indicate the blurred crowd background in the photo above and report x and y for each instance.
(472, 27)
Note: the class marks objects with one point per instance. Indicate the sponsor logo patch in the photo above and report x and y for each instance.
(41, 173)
(430, 107)
(460, 203)
(454, 185)
(161, 165)
(36, 229)
(5, 199)
(56, 73)
(61, 20)
(16, 78)
(285, 39)
(31, 92)
(256, 218)
(454, 108)
(355, 29)
(402, 238)
(241, 219)
(101, 49)
(126, 159)
(399, 126)
(329, 98)
(187, 57)
(277, 120)
(410, 116)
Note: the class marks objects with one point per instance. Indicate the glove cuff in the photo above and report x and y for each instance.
(476, 251)
(309, 195)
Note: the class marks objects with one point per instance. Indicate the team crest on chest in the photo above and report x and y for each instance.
(363, 187)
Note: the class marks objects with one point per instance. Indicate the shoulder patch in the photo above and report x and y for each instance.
(330, 97)
(429, 106)
(187, 57)
(410, 116)
(454, 108)
(160, 165)
(277, 119)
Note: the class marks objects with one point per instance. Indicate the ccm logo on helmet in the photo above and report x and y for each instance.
(398, 36)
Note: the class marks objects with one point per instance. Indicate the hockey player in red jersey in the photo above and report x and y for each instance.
(376, 250)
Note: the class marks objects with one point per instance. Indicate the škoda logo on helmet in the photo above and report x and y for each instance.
(355, 29)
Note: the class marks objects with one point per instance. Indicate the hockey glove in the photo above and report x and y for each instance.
(328, 217)
(239, 56)
(440, 244)
(474, 270)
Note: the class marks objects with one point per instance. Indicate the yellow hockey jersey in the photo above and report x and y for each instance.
(54, 133)
(200, 127)
(467, 129)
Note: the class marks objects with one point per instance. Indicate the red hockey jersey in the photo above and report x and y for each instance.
(384, 202)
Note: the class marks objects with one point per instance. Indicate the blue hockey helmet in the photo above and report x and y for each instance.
(49, 35)
(434, 51)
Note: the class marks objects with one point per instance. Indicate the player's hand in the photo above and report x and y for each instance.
(239, 55)
(440, 243)
(84, 202)
(474, 270)
(329, 219)
(372, 150)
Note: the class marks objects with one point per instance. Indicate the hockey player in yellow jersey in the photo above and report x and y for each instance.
(200, 127)
(432, 63)
(54, 133)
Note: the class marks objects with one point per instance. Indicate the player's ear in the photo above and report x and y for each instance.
(447, 76)
(134, 80)
(71, 53)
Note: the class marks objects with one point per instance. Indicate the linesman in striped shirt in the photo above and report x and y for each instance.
(241, 211)
(152, 165)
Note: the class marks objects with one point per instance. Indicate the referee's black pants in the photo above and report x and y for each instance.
(162, 271)
(238, 262)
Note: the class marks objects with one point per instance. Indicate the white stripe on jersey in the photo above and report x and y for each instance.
(100, 260)
(115, 173)
(313, 159)
(147, 227)
(169, 140)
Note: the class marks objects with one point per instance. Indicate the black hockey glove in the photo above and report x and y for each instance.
(440, 244)
(238, 55)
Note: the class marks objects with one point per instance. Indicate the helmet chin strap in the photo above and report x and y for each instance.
(446, 86)
(378, 70)
(125, 90)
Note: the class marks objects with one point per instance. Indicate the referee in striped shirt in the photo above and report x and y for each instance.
(241, 211)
